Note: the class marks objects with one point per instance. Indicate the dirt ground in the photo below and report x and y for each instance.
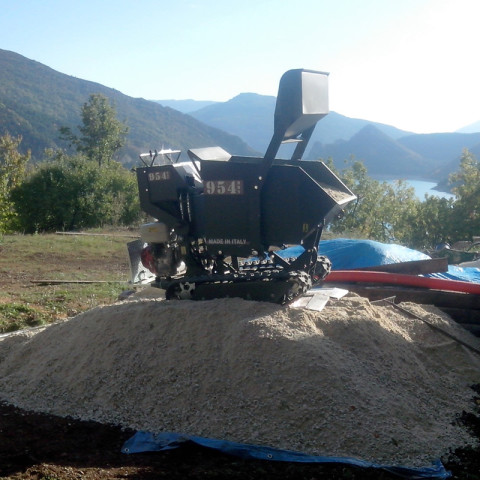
(43, 447)
(36, 446)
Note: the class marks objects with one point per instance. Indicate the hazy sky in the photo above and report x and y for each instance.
(408, 63)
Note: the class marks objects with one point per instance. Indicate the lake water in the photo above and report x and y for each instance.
(421, 188)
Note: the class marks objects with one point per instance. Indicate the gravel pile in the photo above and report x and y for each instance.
(355, 379)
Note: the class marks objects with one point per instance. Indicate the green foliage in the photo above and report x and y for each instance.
(433, 223)
(466, 211)
(72, 192)
(382, 212)
(392, 213)
(14, 316)
(12, 171)
(102, 134)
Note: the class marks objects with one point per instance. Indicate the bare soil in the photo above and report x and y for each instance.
(36, 446)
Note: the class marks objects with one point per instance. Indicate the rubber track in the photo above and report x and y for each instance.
(298, 281)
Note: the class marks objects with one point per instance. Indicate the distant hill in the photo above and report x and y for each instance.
(185, 106)
(472, 128)
(36, 100)
(336, 127)
(453, 164)
(377, 150)
(443, 149)
(430, 156)
(476, 151)
(384, 149)
(250, 116)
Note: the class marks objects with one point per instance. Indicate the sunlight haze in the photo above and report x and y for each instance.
(411, 63)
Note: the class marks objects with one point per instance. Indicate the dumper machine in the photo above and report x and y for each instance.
(224, 224)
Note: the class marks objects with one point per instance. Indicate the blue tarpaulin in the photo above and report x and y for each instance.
(464, 274)
(150, 442)
(349, 254)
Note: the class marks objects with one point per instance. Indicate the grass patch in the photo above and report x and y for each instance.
(24, 259)
(15, 316)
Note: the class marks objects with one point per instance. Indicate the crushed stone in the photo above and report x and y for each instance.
(355, 380)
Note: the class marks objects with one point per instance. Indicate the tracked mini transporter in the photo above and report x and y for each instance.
(222, 222)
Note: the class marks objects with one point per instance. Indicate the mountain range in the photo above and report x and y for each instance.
(385, 150)
(35, 101)
(250, 116)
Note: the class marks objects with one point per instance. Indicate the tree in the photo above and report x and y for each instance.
(382, 211)
(466, 187)
(433, 222)
(102, 135)
(12, 171)
(69, 192)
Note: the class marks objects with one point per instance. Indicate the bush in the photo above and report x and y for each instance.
(72, 192)
(12, 170)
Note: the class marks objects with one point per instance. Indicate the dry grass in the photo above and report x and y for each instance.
(27, 259)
